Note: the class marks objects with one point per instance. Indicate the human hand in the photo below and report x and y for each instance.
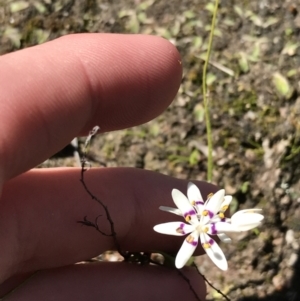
(50, 94)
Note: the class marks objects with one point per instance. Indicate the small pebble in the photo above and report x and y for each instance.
(277, 241)
(285, 200)
(295, 245)
(278, 282)
(292, 260)
(289, 236)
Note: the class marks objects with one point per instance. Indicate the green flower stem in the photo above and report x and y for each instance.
(205, 98)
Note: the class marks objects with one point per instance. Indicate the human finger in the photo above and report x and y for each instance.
(38, 220)
(110, 282)
(53, 92)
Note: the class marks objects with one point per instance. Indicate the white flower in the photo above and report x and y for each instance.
(205, 218)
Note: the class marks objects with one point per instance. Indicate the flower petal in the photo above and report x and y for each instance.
(225, 204)
(224, 238)
(212, 206)
(171, 210)
(187, 249)
(195, 197)
(247, 227)
(251, 210)
(217, 219)
(221, 227)
(248, 216)
(183, 204)
(214, 251)
(174, 228)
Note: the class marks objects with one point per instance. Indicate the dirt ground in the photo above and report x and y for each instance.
(254, 86)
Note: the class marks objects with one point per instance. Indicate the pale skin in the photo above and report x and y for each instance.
(50, 94)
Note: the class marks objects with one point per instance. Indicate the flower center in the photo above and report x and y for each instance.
(202, 229)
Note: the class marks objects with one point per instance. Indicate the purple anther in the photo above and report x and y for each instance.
(210, 213)
(211, 241)
(180, 229)
(194, 243)
(191, 212)
(213, 231)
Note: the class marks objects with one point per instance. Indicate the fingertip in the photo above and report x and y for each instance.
(148, 81)
(146, 68)
(76, 82)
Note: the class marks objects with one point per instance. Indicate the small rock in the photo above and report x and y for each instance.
(278, 192)
(289, 275)
(285, 200)
(278, 282)
(222, 161)
(292, 260)
(250, 115)
(289, 236)
(277, 241)
(283, 215)
(250, 155)
(230, 189)
(295, 245)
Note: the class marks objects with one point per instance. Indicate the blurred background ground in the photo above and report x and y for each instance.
(254, 86)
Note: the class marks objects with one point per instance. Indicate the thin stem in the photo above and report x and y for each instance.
(107, 213)
(210, 284)
(181, 274)
(205, 98)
